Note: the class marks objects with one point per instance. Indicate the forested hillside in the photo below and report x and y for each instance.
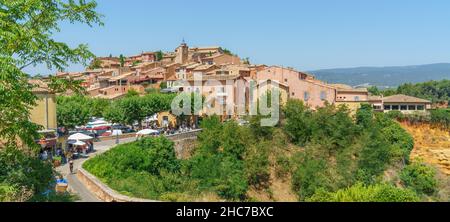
(435, 91)
(385, 76)
(323, 155)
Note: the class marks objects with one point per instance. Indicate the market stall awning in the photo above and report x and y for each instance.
(80, 136)
(79, 143)
(147, 132)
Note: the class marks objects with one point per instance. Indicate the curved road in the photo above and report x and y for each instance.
(75, 186)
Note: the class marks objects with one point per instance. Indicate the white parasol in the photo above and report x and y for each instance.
(79, 143)
(147, 132)
(79, 136)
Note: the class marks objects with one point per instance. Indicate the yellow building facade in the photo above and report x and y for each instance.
(44, 113)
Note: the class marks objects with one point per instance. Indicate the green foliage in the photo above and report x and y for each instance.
(132, 93)
(61, 85)
(122, 60)
(420, 177)
(395, 115)
(151, 90)
(95, 64)
(134, 108)
(76, 110)
(146, 168)
(226, 51)
(364, 115)
(26, 39)
(436, 91)
(72, 111)
(27, 28)
(21, 173)
(257, 165)
(440, 117)
(341, 151)
(163, 85)
(373, 90)
(361, 193)
(159, 55)
(232, 183)
(298, 122)
(260, 132)
(310, 174)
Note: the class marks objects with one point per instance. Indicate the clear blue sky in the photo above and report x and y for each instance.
(303, 34)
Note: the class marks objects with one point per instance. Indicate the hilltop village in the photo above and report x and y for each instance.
(113, 77)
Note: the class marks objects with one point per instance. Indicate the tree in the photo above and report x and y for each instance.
(96, 64)
(27, 28)
(298, 122)
(374, 91)
(61, 85)
(132, 93)
(226, 51)
(364, 115)
(72, 111)
(159, 55)
(26, 39)
(122, 60)
(420, 177)
(163, 85)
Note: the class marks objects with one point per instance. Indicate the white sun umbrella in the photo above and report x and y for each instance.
(147, 132)
(79, 136)
(79, 143)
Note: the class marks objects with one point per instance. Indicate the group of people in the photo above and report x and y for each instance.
(181, 129)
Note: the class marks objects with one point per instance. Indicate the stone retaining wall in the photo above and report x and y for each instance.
(102, 191)
(105, 193)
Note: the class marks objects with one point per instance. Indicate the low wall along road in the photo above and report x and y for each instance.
(183, 147)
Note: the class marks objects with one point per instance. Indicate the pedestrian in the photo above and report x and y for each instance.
(71, 166)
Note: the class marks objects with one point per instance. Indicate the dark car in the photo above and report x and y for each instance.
(124, 129)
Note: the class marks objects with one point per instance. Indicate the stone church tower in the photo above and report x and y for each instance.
(182, 53)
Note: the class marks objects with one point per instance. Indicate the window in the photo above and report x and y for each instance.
(306, 96)
(293, 94)
(403, 107)
(221, 101)
(395, 107)
(285, 80)
(356, 98)
(376, 107)
(420, 107)
(411, 107)
(323, 95)
(387, 107)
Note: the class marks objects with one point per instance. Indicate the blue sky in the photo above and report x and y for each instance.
(307, 35)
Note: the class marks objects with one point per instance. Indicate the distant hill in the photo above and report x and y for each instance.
(385, 77)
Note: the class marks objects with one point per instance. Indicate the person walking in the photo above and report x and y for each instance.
(71, 166)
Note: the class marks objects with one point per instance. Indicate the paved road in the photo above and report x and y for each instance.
(75, 185)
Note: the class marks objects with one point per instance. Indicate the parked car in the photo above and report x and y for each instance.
(125, 129)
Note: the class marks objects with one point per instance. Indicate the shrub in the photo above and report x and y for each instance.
(361, 193)
(395, 115)
(441, 117)
(420, 177)
(232, 182)
(298, 122)
(309, 176)
(257, 165)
